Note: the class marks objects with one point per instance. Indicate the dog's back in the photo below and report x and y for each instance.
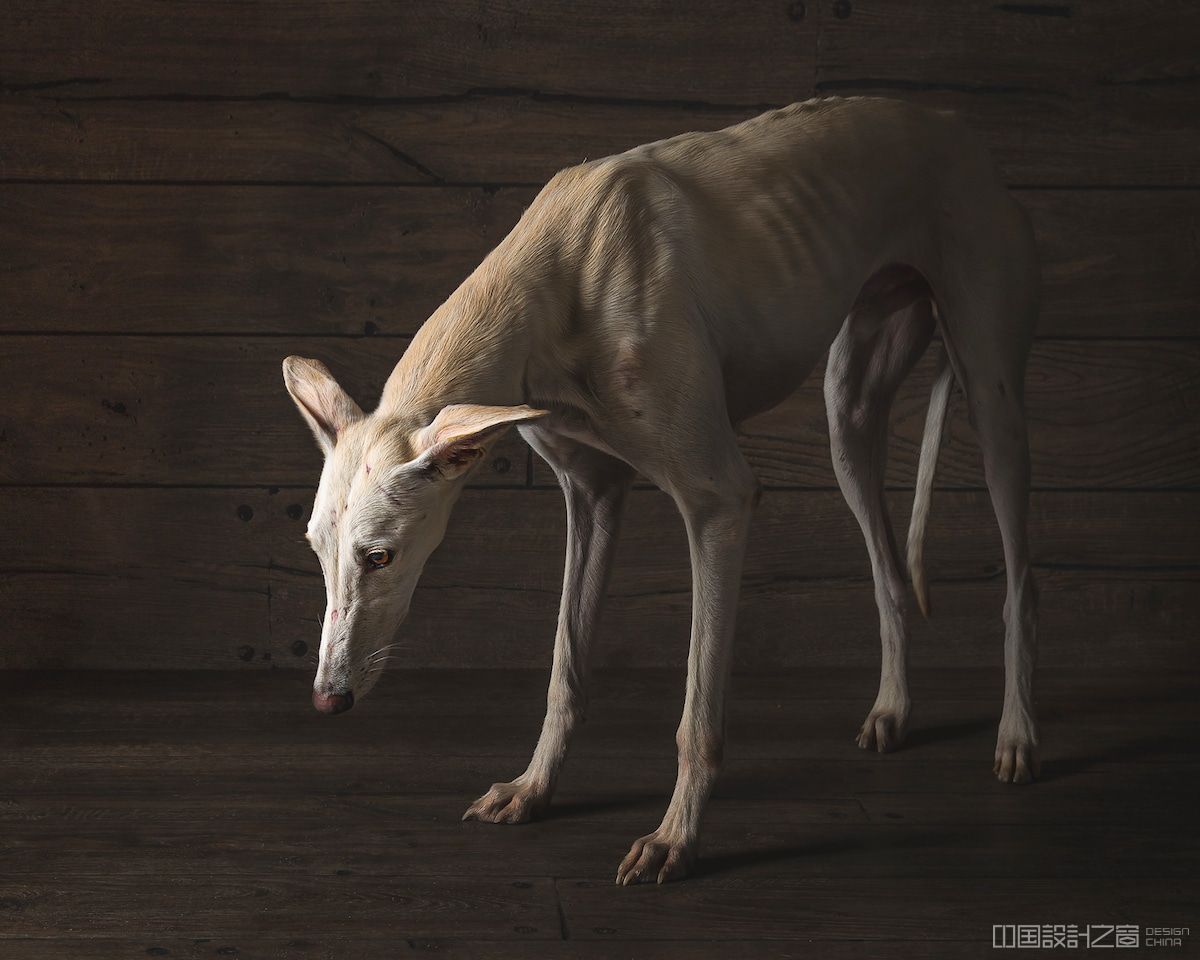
(755, 238)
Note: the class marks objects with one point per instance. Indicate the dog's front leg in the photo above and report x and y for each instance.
(594, 486)
(718, 524)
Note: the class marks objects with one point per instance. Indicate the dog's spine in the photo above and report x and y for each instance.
(935, 423)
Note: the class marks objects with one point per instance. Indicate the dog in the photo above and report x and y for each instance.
(647, 303)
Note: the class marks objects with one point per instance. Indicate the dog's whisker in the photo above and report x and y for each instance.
(382, 650)
(380, 661)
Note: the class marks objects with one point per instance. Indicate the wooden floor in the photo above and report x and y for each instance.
(216, 815)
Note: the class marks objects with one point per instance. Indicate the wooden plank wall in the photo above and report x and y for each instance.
(190, 192)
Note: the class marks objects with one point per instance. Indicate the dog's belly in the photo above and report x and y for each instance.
(773, 312)
(770, 354)
(767, 356)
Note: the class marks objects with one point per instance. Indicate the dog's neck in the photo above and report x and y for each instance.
(473, 349)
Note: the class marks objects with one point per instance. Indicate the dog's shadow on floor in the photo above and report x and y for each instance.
(847, 843)
(964, 729)
(576, 809)
(713, 865)
(841, 846)
(1139, 749)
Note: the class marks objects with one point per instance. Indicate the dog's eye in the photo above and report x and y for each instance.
(379, 558)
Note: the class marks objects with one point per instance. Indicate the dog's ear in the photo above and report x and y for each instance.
(326, 407)
(461, 434)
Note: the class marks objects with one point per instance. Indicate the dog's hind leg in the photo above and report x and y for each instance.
(875, 350)
(990, 301)
(594, 485)
(1000, 421)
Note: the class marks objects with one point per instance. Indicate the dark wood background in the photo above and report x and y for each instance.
(191, 191)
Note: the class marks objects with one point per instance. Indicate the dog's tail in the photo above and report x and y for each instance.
(935, 422)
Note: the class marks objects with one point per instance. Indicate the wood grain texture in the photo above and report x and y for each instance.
(809, 909)
(509, 908)
(626, 50)
(417, 837)
(1117, 263)
(1096, 93)
(764, 53)
(1067, 47)
(293, 260)
(324, 947)
(245, 259)
(222, 578)
(597, 782)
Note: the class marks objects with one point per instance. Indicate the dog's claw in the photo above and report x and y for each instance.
(1016, 763)
(882, 732)
(655, 856)
(513, 802)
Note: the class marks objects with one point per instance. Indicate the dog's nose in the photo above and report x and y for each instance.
(331, 703)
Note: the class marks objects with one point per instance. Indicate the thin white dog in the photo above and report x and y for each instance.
(646, 304)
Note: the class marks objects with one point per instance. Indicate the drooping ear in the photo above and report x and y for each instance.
(461, 434)
(325, 406)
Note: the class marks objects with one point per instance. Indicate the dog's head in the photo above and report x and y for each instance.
(381, 509)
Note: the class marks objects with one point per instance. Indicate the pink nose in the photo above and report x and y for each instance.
(331, 703)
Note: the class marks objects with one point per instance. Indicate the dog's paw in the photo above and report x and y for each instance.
(1016, 761)
(656, 856)
(514, 802)
(883, 730)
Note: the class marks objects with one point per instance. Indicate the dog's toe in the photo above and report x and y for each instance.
(656, 857)
(1016, 763)
(506, 803)
(881, 732)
